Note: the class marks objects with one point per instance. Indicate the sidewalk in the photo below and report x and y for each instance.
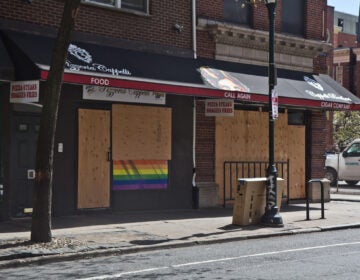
(128, 232)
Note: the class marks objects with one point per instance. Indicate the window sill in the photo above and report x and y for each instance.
(107, 7)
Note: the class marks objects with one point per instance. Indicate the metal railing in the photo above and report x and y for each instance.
(233, 170)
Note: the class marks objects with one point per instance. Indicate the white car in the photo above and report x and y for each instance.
(344, 166)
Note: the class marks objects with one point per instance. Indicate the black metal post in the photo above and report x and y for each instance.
(271, 216)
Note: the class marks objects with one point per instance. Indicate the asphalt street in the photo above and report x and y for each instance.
(324, 255)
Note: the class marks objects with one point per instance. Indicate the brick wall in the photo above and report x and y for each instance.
(205, 45)
(320, 64)
(205, 145)
(346, 40)
(316, 19)
(212, 9)
(314, 24)
(156, 28)
(356, 88)
(261, 18)
(346, 75)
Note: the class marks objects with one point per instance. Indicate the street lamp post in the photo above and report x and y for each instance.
(271, 216)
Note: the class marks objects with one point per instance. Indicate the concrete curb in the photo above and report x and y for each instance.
(45, 259)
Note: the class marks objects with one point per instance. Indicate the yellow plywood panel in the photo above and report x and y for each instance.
(93, 163)
(296, 154)
(245, 137)
(281, 136)
(141, 132)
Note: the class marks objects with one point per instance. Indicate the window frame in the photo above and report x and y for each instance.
(118, 6)
(245, 17)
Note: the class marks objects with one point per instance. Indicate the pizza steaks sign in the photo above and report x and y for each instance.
(219, 107)
(24, 92)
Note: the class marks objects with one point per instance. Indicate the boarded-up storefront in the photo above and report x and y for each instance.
(244, 138)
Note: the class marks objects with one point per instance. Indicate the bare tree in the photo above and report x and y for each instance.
(41, 219)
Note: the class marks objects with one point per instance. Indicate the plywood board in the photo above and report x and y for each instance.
(93, 163)
(141, 132)
(296, 154)
(245, 138)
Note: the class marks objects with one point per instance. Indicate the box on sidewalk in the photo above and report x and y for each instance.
(250, 200)
(315, 191)
(208, 194)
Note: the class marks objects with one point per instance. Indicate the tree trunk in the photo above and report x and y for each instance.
(41, 219)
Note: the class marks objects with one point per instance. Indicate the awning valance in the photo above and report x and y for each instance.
(6, 66)
(96, 64)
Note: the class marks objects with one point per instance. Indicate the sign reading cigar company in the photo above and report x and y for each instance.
(24, 92)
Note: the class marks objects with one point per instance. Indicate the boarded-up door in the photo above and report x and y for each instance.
(93, 161)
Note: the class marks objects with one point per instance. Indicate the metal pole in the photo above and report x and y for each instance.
(271, 216)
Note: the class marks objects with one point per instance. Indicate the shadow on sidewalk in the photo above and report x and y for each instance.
(108, 217)
(225, 230)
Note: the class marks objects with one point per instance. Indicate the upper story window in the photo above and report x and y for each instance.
(340, 22)
(133, 5)
(237, 11)
(292, 16)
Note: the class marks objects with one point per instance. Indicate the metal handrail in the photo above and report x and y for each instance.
(250, 169)
(322, 198)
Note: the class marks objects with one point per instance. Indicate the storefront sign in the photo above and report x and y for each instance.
(123, 95)
(84, 56)
(335, 106)
(219, 107)
(321, 94)
(24, 92)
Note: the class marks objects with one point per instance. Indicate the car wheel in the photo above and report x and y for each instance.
(331, 175)
(351, 183)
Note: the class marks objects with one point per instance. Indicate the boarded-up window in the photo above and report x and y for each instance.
(141, 133)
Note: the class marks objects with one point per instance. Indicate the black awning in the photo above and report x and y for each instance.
(96, 64)
(6, 66)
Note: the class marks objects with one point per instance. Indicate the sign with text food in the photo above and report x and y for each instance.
(122, 94)
(219, 107)
(24, 92)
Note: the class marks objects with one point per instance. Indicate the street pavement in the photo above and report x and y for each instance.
(98, 234)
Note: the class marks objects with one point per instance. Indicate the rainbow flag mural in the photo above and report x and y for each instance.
(139, 174)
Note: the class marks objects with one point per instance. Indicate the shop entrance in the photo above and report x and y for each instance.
(25, 128)
(93, 159)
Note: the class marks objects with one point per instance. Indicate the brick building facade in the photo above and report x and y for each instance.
(346, 53)
(136, 85)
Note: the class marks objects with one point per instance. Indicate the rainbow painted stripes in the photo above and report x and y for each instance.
(139, 174)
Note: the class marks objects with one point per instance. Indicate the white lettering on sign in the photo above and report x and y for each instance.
(99, 81)
(237, 95)
(219, 107)
(24, 92)
(325, 96)
(333, 105)
(84, 56)
(122, 94)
